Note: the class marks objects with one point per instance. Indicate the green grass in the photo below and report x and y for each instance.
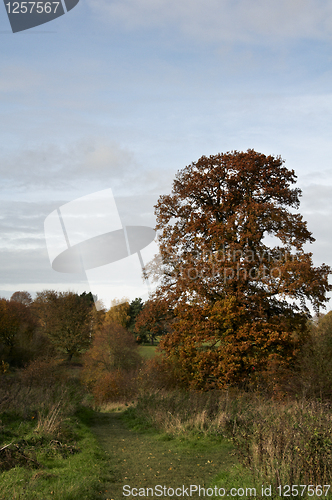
(147, 351)
(275, 443)
(70, 467)
(235, 478)
(144, 457)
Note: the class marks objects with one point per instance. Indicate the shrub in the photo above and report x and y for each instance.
(157, 374)
(316, 361)
(109, 366)
(285, 444)
(42, 373)
(117, 385)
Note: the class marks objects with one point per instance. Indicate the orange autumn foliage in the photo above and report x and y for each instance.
(153, 320)
(240, 302)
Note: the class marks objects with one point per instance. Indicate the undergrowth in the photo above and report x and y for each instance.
(277, 443)
(47, 450)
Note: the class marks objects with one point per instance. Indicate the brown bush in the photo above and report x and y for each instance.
(123, 385)
(113, 348)
(157, 374)
(42, 372)
(117, 385)
(109, 366)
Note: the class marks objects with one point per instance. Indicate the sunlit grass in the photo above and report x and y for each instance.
(147, 351)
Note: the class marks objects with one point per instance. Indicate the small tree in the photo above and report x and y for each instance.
(9, 323)
(67, 319)
(112, 348)
(110, 364)
(17, 327)
(22, 297)
(153, 320)
(119, 312)
(136, 307)
(240, 305)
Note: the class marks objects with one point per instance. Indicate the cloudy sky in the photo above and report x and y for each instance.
(121, 94)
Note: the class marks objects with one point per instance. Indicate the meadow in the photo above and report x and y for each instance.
(56, 441)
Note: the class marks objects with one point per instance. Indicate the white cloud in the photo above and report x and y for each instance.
(223, 20)
(317, 199)
(55, 166)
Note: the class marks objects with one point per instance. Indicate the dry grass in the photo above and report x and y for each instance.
(280, 443)
(178, 412)
(287, 444)
(111, 407)
(50, 422)
(41, 392)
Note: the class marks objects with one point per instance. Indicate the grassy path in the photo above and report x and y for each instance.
(147, 459)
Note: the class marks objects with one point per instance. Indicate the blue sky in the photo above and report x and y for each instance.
(122, 94)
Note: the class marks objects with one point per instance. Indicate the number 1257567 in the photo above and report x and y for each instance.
(303, 489)
(32, 7)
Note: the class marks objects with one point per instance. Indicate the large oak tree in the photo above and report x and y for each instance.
(241, 301)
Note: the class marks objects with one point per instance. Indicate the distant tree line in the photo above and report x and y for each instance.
(65, 323)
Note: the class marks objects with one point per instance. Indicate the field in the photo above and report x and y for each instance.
(57, 442)
(147, 351)
(62, 448)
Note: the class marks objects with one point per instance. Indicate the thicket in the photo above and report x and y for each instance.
(315, 361)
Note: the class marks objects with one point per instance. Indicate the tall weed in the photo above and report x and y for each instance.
(42, 391)
(286, 444)
(280, 443)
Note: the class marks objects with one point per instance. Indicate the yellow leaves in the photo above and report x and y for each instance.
(118, 312)
(4, 367)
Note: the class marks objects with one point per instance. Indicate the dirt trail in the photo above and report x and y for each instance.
(145, 460)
